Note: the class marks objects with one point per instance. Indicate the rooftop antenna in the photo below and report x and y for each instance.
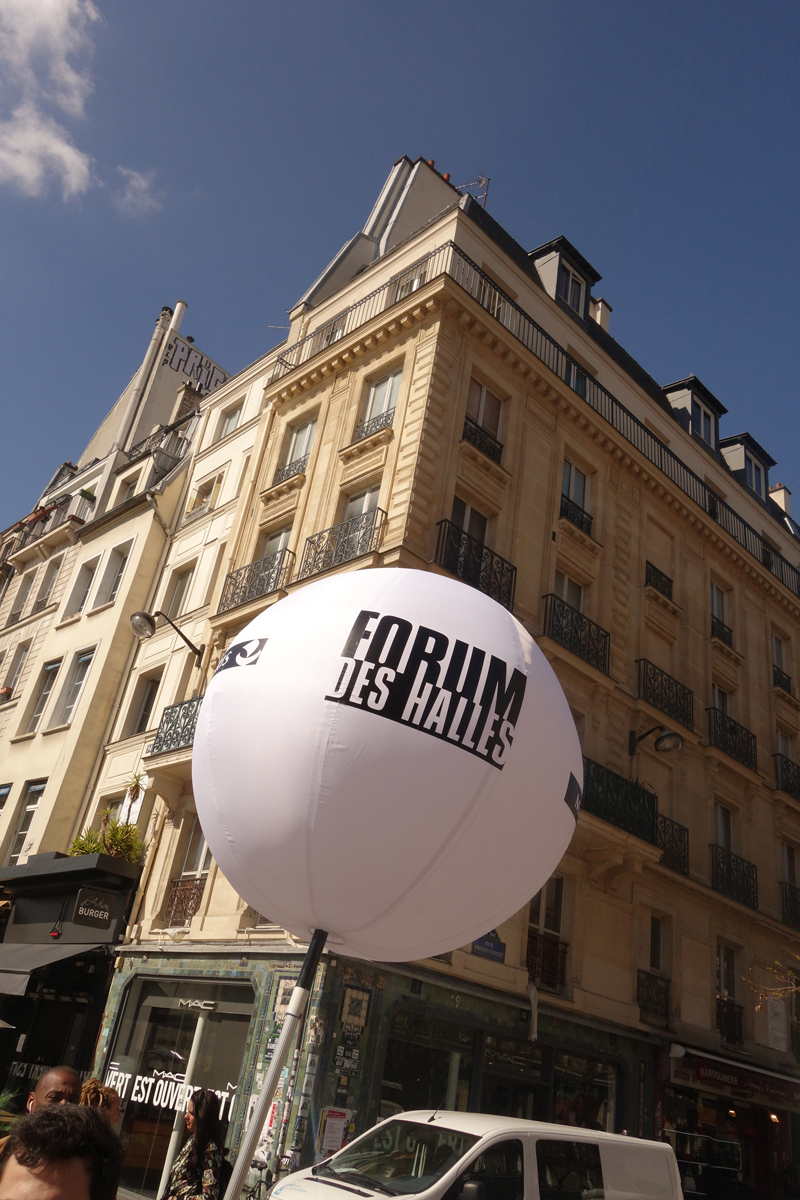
(482, 181)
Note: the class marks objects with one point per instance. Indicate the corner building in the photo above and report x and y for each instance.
(449, 401)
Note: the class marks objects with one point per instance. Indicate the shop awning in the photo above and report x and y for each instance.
(17, 960)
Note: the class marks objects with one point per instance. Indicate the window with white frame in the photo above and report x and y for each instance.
(328, 334)
(546, 908)
(46, 682)
(703, 423)
(112, 575)
(5, 789)
(484, 407)
(144, 703)
(300, 441)
(410, 281)
(755, 474)
(720, 699)
(127, 488)
(85, 506)
(197, 859)
(568, 590)
(204, 498)
(48, 582)
(71, 692)
(80, 592)
(362, 502)
(723, 826)
(17, 663)
(30, 803)
(382, 397)
(783, 743)
(230, 420)
(658, 957)
(570, 287)
(574, 485)
(180, 590)
(719, 605)
(778, 652)
(465, 516)
(273, 542)
(21, 597)
(726, 972)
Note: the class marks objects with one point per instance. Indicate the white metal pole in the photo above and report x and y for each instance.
(179, 1124)
(294, 1012)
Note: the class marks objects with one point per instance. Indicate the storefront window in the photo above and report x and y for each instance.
(428, 1065)
(513, 1079)
(173, 1035)
(584, 1092)
(702, 1131)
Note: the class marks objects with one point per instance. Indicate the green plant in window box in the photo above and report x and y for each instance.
(117, 839)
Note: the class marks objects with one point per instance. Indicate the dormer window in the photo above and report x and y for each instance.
(755, 475)
(703, 422)
(570, 287)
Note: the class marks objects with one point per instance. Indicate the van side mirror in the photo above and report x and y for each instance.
(473, 1189)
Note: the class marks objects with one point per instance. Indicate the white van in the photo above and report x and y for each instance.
(472, 1156)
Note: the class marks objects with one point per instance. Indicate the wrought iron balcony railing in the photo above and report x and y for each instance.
(619, 801)
(177, 726)
(729, 1021)
(293, 468)
(781, 680)
(790, 895)
(732, 738)
(475, 563)
(481, 439)
(575, 632)
(734, 876)
(63, 510)
(721, 631)
(674, 842)
(546, 960)
(163, 438)
(657, 579)
(374, 425)
(665, 693)
(341, 543)
(787, 775)
(576, 515)
(450, 260)
(652, 995)
(183, 900)
(256, 579)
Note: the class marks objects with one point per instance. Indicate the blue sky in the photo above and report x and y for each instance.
(221, 151)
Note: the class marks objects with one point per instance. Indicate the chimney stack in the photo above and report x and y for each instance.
(600, 311)
(780, 495)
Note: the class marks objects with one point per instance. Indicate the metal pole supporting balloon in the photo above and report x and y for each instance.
(179, 1124)
(294, 1013)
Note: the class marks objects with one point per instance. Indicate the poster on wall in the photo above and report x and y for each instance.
(333, 1129)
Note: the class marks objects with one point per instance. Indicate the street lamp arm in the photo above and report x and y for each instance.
(196, 650)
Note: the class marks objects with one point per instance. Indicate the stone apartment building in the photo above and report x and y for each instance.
(447, 400)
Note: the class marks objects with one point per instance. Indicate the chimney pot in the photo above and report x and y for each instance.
(447, 176)
(431, 163)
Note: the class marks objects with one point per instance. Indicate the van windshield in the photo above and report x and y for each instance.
(399, 1157)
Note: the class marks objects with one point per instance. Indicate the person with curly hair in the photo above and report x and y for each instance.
(107, 1099)
(61, 1152)
(196, 1173)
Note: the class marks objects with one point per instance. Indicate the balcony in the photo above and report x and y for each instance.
(732, 738)
(790, 897)
(374, 425)
(199, 508)
(576, 515)
(176, 729)
(342, 543)
(787, 775)
(729, 1021)
(665, 693)
(482, 440)
(652, 995)
(291, 469)
(673, 839)
(256, 579)
(781, 680)
(576, 633)
(52, 525)
(474, 563)
(657, 579)
(546, 961)
(183, 901)
(734, 876)
(721, 631)
(619, 801)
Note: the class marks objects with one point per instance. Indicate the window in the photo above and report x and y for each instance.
(49, 672)
(33, 795)
(5, 788)
(718, 605)
(703, 423)
(546, 906)
(789, 864)
(722, 826)
(363, 502)
(655, 943)
(568, 590)
(382, 396)
(778, 653)
(197, 860)
(273, 543)
(755, 475)
(410, 281)
(144, 709)
(726, 972)
(127, 489)
(204, 498)
(23, 591)
(243, 475)
(329, 334)
(112, 576)
(570, 287)
(48, 580)
(499, 1168)
(484, 407)
(83, 511)
(574, 485)
(180, 589)
(300, 441)
(783, 743)
(72, 690)
(80, 592)
(720, 699)
(469, 519)
(230, 420)
(18, 662)
(568, 1169)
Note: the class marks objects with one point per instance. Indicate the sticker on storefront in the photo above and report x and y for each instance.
(346, 1061)
(283, 994)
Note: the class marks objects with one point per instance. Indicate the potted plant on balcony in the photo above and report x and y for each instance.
(117, 839)
(6, 693)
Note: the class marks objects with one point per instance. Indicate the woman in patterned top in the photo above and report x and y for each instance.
(196, 1172)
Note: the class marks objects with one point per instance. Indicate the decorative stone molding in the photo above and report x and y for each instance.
(661, 615)
(366, 445)
(281, 499)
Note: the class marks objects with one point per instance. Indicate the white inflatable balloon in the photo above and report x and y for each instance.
(387, 755)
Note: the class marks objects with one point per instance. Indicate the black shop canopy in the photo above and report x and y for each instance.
(17, 960)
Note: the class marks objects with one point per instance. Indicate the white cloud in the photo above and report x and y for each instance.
(39, 39)
(139, 197)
